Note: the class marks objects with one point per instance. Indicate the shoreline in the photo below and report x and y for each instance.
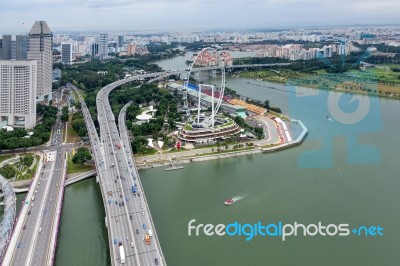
(197, 158)
(357, 92)
(228, 154)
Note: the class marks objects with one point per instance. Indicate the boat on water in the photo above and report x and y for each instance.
(228, 201)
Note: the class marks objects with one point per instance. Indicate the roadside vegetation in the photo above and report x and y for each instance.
(81, 156)
(18, 138)
(78, 124)
(77, 168)
(72, 135)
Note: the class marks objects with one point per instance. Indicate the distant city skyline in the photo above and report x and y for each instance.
(16, 17)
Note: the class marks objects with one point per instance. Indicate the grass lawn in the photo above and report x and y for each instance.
(381, 79)
(72, 136)
(77, 168)
(147, 152)
(279, 77)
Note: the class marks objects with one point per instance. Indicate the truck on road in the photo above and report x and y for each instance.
(122, 253)
(147, 239)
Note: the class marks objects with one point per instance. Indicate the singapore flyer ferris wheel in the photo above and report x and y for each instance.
(207, 59)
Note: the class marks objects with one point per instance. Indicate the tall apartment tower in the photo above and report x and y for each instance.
(18, 93)
(40, 41)
(103, 46)
(66, 53)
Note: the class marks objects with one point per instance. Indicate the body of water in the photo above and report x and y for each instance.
(330, 178)
(179, 62)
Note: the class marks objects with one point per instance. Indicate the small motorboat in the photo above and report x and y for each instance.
(228, 201)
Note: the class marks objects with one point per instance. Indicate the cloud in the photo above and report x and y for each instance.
(191, 14)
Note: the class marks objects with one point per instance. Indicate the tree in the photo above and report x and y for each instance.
(81, 156)
(8, 171)
(64, 116)
(138, 143)
(79, 126)
(27, 160)
(266, 104)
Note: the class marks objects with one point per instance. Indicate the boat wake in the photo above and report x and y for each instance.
(239, 197)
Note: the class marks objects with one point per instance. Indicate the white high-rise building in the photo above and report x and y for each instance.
(18, 93)
(40, 41)
(103, 46)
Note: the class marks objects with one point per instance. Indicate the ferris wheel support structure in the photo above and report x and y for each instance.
(221, 64)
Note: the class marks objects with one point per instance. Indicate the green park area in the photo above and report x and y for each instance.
(76, 164)
(19, 168)
(381, 80)
(72, 136)
(282, 76)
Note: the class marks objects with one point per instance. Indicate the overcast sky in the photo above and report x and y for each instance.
(17, 16)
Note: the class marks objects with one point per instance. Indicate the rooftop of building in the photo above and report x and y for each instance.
(40, 27)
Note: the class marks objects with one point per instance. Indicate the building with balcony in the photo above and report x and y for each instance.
(18, 81)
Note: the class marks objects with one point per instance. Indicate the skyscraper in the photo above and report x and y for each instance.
(21, 47)
(66, 53)
(13, 49)
(120, 41)
(94, 49)
(103, 46)
(6, 51)
(40, 41)
(18, 93)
